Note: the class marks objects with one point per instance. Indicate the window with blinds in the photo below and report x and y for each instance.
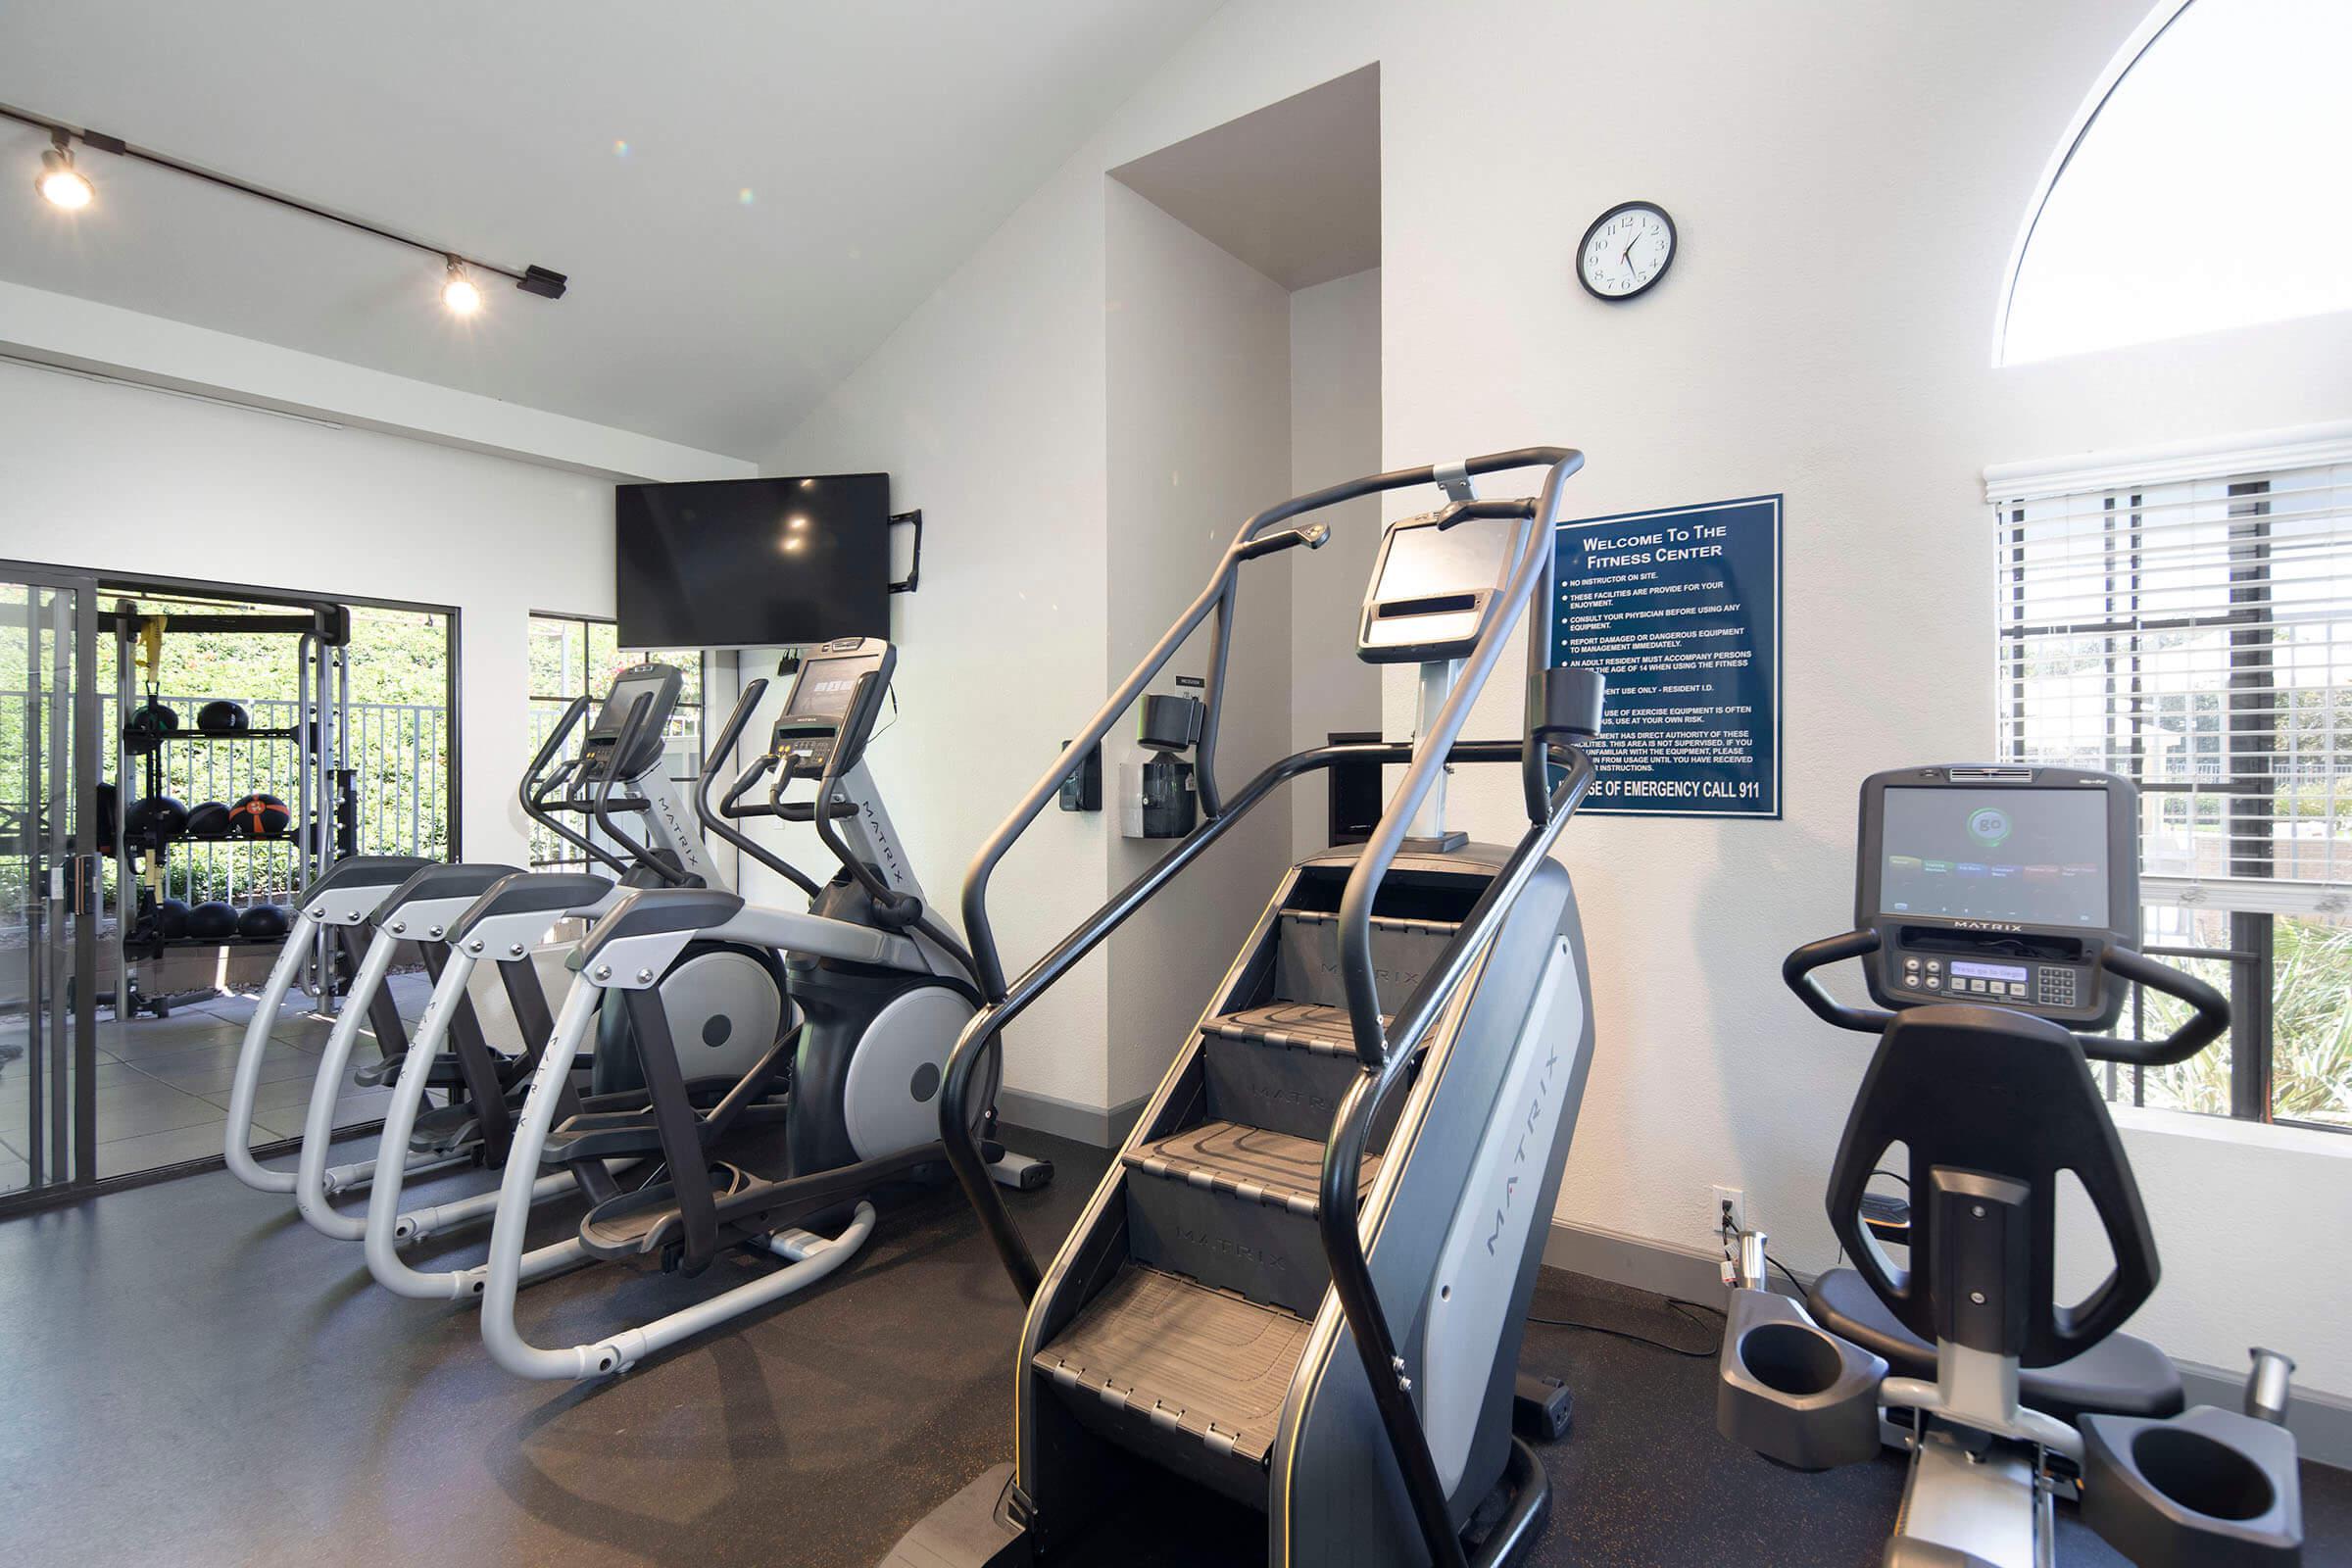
(2189, 626)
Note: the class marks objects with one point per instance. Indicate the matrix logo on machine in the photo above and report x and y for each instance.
(1510, 1183)
(1226, 1246)
(1988, 826)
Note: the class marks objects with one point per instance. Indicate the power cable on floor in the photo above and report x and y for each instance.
(1675, 1304)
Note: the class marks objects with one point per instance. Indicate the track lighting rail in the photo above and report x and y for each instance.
(531, 279)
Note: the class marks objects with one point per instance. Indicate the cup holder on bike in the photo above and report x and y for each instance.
(1793, 1392)
(2209, 1486)
(2201, 1475)
(1791, 1358)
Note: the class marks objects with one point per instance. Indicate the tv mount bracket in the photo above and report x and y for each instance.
(914, 568)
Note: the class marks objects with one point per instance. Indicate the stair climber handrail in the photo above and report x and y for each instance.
(981, 1031)
(1351, 1127)
(1006, 1001)
(1216, 597)
(1383, 1061)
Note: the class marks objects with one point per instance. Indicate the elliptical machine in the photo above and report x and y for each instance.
(882, 988)
(735, 994)
(1996, 912)
(1304, 1282)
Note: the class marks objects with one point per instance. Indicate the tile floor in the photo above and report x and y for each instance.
(163, 1083)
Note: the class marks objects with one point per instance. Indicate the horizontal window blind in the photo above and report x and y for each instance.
(2193, 632)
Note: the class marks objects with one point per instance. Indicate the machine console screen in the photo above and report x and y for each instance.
(613, 717)
(2031, 857)
(824, 686)
(1432, 562)
(2004, 972)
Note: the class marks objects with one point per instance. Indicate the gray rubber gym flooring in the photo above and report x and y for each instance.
(190, 1376)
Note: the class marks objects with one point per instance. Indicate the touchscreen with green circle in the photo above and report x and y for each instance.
(2027, 857)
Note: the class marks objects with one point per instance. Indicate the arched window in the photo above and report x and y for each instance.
(2201, 185)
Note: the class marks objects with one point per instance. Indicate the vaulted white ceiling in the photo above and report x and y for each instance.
(747, 197)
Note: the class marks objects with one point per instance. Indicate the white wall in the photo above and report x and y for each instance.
(1847, 177)
(1335, 435)
(986, 410)
(1200, 439)
(128, 479)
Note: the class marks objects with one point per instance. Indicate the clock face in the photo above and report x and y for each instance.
(1626, 251)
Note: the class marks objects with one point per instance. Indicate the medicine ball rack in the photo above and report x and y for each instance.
(325, 808)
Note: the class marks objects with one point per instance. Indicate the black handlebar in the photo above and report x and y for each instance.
(539, 782)
(2209, 1022)
(717, 821)
(900, 910)
(601, 812)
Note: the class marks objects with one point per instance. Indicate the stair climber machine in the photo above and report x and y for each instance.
(1304, 1284)
(882, 990)
(1998, 920)
(617, 774)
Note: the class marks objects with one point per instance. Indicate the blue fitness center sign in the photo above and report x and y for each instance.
(1679, 608)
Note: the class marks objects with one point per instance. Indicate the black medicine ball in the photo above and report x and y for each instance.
(259, 816)
(223, 718)
(157, 819)
(143, 732)
(208, 821)
(215, 921)
(262, 922)
(172, 918)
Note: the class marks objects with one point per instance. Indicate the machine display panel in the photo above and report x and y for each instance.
(613, 715)
(824, 686)
(1426, 562)
(2034, 858)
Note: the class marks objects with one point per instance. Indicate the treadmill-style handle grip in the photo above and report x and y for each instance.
(1796, 971)
(2207, 1022)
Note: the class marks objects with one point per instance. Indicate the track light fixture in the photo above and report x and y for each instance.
(63, 185)
(60, 183)
(458, 292)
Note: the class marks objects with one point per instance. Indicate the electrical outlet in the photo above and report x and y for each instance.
(1731, 1211)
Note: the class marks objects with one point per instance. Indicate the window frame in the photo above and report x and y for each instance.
(2248, 465)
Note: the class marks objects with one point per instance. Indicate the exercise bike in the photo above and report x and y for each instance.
(617, 774)
(882, 989)
(1997, 918)
(1304, 1284)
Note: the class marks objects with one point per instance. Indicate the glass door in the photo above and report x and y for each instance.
(48, 885)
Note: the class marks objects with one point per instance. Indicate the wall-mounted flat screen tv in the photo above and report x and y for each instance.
(753, 562)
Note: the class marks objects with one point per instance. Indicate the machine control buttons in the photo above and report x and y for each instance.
(1911, 965)
(1935, 981)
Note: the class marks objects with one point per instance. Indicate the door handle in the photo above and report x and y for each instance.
(81, 884)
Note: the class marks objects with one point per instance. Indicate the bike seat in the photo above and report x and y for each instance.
(2118, 1376)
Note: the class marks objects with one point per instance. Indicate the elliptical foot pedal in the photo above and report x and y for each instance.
(446, 1129)
(639, 1224)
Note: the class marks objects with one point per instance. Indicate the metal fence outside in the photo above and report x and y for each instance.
(399, 757)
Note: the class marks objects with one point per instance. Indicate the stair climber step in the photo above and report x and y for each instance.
(1307, 957)
(1282, 1065)
(1233, 1206)
(1189, 1375)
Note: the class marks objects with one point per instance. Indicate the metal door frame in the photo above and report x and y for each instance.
(63, 1142)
